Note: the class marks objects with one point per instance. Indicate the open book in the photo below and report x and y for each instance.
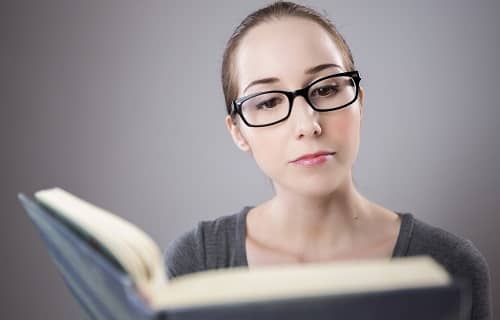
(91, 245)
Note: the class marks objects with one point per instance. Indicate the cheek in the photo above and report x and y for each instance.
(268, 149)
(344, 127)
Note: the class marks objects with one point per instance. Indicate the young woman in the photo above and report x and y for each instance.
(295, 103)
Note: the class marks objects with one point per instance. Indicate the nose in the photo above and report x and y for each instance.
(305, 118)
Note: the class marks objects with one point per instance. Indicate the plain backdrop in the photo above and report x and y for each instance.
(120, 102)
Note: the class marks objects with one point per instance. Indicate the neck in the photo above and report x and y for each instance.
(329, 219)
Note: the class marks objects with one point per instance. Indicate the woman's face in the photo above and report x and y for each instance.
(284, 49)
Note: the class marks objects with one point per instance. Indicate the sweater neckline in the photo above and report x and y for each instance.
(400, 248)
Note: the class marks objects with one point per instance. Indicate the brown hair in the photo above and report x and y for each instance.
(276, 10)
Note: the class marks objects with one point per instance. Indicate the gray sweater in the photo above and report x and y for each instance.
(220, 243)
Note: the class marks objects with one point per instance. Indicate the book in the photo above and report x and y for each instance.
(116, 271)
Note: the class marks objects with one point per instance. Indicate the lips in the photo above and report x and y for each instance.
(310, 156)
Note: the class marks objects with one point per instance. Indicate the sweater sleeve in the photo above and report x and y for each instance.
(475, 267)
(186, 254)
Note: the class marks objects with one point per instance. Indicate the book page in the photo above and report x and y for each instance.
(133, 248)
(289, 281)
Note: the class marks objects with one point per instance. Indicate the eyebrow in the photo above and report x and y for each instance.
(261, 81)
(312, 70)
(321, 67)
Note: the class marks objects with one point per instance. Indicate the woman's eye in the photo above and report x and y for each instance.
(270, 103)
(325, 91)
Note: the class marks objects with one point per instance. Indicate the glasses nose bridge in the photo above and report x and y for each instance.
(299, 93)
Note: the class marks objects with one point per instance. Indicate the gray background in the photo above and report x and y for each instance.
(120, 102)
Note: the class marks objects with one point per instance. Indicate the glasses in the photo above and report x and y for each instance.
(329, 93)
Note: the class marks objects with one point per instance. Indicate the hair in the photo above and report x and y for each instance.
(276, 10)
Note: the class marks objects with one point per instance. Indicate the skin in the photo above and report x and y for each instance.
(316, 213)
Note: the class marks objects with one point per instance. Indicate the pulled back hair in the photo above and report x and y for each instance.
(276, 10)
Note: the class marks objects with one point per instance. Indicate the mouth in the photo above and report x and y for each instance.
(312, 158)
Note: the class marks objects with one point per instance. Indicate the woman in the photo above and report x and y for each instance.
(295, 103)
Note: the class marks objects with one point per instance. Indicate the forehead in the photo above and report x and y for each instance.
(284, 48)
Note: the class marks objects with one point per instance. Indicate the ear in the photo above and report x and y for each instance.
(236, 134)
(361, 102)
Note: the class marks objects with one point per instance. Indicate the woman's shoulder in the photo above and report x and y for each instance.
(206, 246)
(458, 255)
(424, 238)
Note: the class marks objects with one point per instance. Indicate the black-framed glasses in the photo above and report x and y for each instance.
(329, 93)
